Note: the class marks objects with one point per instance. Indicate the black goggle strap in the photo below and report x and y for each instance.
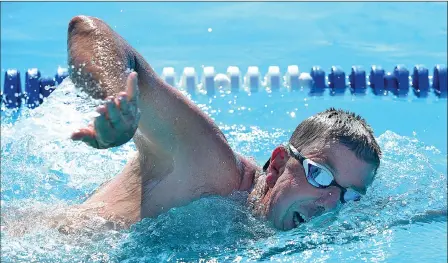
(266, 165)
(343, 191)
(295, 153)
(300, 158)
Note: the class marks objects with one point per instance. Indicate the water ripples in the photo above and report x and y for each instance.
(43, 172)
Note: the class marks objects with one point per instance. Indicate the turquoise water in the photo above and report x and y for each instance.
(43, 171)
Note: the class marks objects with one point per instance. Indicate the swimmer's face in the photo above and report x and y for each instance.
(292, 199)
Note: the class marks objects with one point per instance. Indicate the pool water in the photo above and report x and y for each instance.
(399, 220)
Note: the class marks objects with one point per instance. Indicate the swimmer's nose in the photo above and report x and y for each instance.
(330, 198)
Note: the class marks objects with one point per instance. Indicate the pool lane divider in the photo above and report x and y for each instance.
(36, 87)
(398, 82)
(12, 89)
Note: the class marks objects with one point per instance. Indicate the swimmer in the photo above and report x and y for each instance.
(331, 157)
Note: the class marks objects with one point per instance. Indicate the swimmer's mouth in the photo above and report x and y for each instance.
(298, 219)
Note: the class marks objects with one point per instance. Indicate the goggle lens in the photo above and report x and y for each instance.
(351, 195)
(319, 176)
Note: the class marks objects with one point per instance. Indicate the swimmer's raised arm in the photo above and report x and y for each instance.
(101, 60)
(182, 154)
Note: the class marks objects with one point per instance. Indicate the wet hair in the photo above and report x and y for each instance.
(339, 126)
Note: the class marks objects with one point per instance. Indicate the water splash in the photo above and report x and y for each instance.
(43, 172)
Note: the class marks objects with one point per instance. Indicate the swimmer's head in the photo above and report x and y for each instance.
(331, 157)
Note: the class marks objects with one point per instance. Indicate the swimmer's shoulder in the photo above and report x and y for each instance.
(249, 170)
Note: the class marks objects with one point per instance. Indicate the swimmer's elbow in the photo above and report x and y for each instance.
(80, 24)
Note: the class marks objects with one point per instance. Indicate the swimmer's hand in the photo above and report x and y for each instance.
(118, 120)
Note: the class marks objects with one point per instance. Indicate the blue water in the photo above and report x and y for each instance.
(43, 171)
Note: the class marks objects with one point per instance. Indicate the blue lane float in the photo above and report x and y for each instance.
(12, 89)
(46, 86)
(390, 83)
(169, 76)
(188, 80)
(377, 81)
(60, 75)
(420, 81)
(252, 79)
(439, 81)
(208, 78)
(273, 78)
(358, 80)
(336, 81)
(32, 89)
(397, 82)
(35, 90)
(235, 78)
(292, 77)
(401, 74)
(318, 76)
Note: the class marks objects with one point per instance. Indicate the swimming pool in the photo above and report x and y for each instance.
(40, 166)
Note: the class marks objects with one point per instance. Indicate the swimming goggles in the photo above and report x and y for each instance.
(319, 176)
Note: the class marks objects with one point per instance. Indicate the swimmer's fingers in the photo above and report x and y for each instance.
(114, 114)
(86, 135)
(128, 104)
(91, 141)
(117, 121)
(123, 102)
(105, 134)
(132, 87)
(81, 133)
(98, 135)
(129, 111)
(129, 99)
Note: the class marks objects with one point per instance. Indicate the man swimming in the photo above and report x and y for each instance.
(182, 155)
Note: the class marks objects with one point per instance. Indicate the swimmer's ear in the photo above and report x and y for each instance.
(276, 166)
